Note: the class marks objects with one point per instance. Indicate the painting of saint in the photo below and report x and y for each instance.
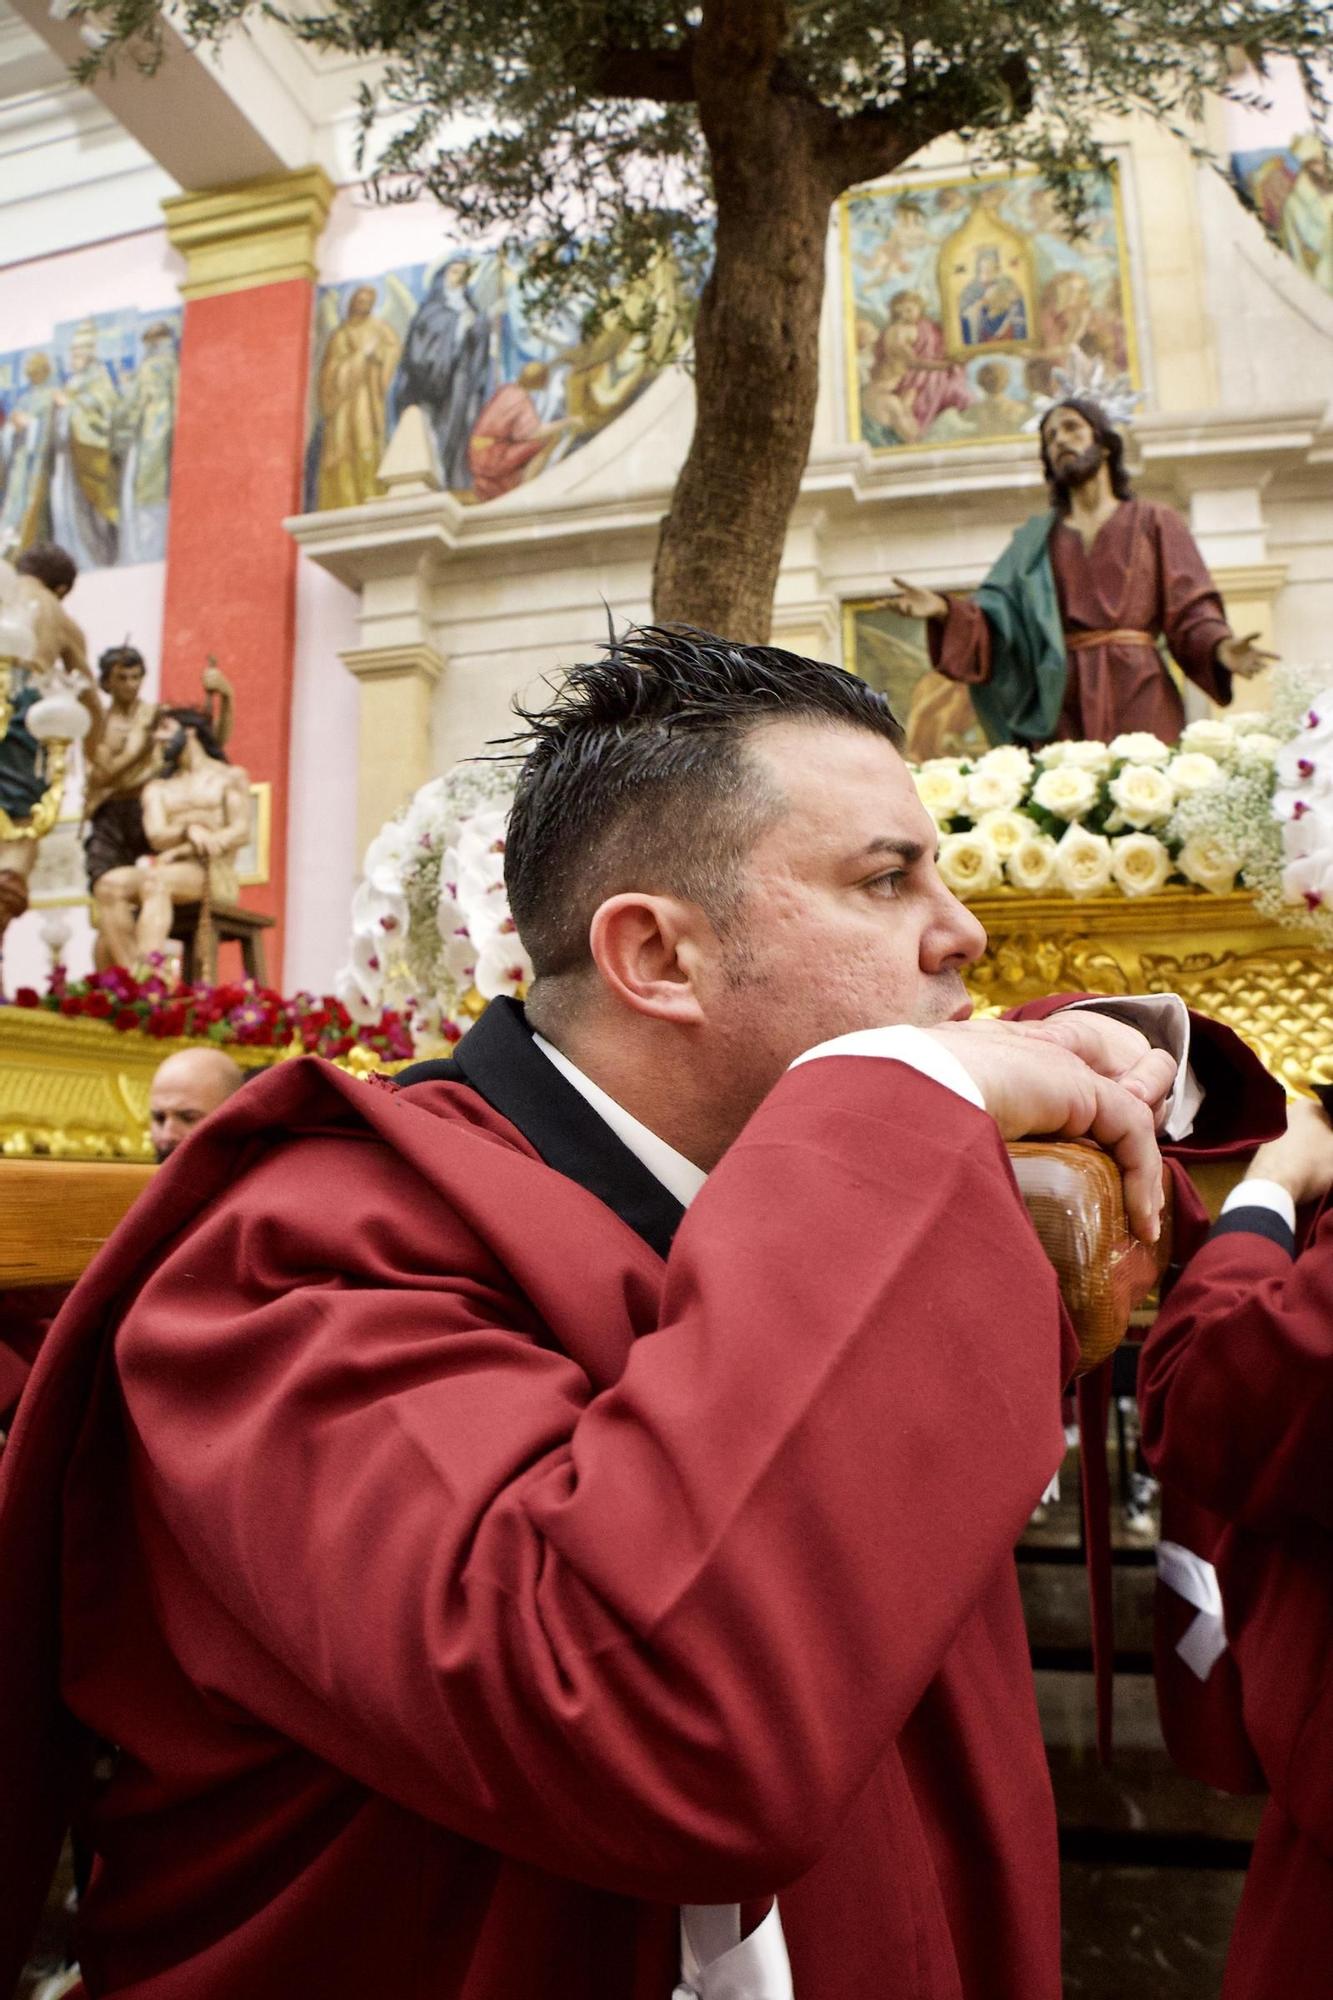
(503, 396)
(85, 497)
(1291, 191)
(355, 372)
(446, 369)
(145, 430)
(26, 444)
(945, 280)
(86, 442)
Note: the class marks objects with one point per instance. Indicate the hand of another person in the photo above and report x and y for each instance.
(1035, 1088)
(1243, 657)
(913, 600)
(1302, 1159)
(1113, 1048)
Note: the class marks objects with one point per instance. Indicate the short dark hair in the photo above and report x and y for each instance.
(202, 725)
(118, 656)
(50, 564)
(636, 777)
(1107, 436)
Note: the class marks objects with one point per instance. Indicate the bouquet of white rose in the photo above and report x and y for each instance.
(1224, 806)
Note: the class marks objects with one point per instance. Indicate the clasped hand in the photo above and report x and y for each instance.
(1075, 1076)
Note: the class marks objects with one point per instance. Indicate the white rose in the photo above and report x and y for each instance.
(1214, 738)
(994, 791)
(1140, 864)
(1088, 756)
(1210, 862)
(1066, 791)
(1302, 767)
(1143, 793)
(1006, 830)
(1083, 861)
(1257, 747)
(1031, 866)
(942, 789)
(1051, 754)
(1011, 758)
(1140, 746)
(1192, 772)
(968, 864)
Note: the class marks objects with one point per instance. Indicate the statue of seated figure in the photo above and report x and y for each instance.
(196, 818)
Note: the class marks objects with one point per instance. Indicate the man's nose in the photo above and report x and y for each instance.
(955, 938)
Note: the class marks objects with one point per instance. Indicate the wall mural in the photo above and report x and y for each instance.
(1290, 189)
(504, 396)
(87, 422)
(964, 296)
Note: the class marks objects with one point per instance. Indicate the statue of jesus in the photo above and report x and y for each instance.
(196, 817)
(1062, 638)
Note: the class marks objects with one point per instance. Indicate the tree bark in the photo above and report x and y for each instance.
(779, 160)
(756, 370)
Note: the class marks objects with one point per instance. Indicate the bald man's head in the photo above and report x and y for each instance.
(185, 1089)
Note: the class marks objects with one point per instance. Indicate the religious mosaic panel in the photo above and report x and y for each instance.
(1290, 189)
(890, 652)
(87, 424)
(963, 297)
(505, 395)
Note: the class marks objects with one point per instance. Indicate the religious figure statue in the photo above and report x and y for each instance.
(446, 366)
(144, 430)
(26, 445)
(32, 594)
(126, 757)
(85, 500)
(196, 817)
(511, 443)
(1063, 638)
(354, 376)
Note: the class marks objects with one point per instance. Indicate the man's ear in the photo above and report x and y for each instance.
(648, 953)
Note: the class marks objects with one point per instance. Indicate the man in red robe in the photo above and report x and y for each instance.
(1061, 640)
(509, 438)
(526, 1518)
(1236, 1386)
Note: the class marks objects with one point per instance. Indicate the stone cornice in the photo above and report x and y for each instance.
(1178, 454)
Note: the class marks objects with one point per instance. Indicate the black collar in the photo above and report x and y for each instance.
(500, 1061)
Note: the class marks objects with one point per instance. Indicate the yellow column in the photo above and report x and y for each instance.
(397, 687)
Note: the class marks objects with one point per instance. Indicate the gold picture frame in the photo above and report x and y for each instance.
(252, 860)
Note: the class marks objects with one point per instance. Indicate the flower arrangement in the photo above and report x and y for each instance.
(431, 931)
(237, 1014)
(1243, 801)
(1224, 806)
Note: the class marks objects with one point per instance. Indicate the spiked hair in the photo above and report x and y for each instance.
(636, 777)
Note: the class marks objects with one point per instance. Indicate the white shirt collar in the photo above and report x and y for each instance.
(678, 1175)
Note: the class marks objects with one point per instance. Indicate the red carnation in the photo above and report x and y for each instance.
(27, 996)
(126, 1018)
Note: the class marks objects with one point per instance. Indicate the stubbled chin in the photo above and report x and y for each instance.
(949, 1001)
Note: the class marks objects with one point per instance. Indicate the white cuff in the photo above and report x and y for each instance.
(913, 1046)
(714, 1968)
(1165, 1020)
(1263, 1194)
